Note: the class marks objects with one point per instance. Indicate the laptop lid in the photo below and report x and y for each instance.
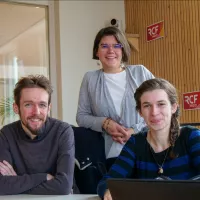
(138, 189)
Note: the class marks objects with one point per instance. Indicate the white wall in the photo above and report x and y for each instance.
(79, 23)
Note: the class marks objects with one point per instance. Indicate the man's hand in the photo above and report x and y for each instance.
(6, 169)
(107, 195)
(49, 177)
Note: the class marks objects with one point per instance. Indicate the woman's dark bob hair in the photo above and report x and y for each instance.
(119, 36)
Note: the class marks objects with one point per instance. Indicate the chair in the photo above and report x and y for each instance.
(190, 124)
(196, 124)
(90, 159)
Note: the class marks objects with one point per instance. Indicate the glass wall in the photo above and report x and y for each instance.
(23, 49)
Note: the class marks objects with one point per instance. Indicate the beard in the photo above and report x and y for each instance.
(34, 131)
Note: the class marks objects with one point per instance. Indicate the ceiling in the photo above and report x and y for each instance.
(17, 18)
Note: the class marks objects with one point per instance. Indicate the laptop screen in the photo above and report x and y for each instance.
(139, 189)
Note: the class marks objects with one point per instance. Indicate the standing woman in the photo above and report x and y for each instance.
(106, 99)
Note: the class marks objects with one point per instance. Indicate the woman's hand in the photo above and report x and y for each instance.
(107, 195)
(125, 138)
(117, 132)
(114, 129)
(129, 131)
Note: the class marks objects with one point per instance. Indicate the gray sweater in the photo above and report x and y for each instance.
(95, 102)
(52, 151)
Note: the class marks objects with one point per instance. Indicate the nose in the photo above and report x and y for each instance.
(36, 110)
(154, 110)
(110, 47)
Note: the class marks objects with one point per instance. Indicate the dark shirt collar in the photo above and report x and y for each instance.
(41, 133)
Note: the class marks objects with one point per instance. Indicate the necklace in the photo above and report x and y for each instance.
(160, 167)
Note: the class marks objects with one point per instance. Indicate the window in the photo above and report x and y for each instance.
(23, 49)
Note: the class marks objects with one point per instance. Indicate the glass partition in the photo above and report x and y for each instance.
(23, 49)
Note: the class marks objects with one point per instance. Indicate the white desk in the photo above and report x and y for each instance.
(50, 197)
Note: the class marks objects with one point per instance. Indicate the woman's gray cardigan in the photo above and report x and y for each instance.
(95, 102)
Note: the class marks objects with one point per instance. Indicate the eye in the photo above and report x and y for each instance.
(42, 105)
(27, 105)
(117, 46)
(104, 46)
(161, 104)
(146, 106)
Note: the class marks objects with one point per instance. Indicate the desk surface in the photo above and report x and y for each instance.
(50, 197)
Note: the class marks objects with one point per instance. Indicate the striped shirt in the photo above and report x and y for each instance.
(138, 160)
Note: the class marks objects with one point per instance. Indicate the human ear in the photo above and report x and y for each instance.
(15, 108)
(174, 108)
(49, 108)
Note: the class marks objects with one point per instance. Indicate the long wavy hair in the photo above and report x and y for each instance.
(158, 83)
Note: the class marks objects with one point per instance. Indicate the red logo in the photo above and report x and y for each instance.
(155, 31)
(191, 100)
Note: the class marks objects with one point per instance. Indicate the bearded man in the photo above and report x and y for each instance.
(37, 151)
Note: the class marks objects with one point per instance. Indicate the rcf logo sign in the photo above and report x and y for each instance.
(191, 100)
(155, 31)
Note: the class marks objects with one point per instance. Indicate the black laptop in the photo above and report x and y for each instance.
(137, 189)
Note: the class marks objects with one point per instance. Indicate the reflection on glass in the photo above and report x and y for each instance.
(23, 50)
